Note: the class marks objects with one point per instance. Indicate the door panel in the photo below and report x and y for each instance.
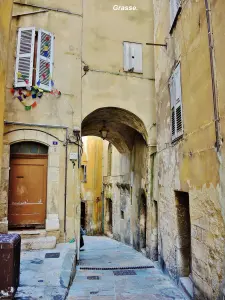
(27, 191)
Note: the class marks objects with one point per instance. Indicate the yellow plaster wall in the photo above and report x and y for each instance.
(5, 21)
(92, 188)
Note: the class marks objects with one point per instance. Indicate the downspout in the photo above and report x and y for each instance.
(103, 194)
(213, 74)
(65, 192)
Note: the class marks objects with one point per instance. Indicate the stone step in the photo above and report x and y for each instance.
(26, 234)
(37, 243)
(187, 286)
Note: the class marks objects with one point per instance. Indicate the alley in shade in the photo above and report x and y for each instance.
(110, 270)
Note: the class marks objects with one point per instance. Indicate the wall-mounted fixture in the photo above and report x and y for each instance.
(76, 133)
(104, 131)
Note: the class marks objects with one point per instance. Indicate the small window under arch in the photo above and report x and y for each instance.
(28, 148)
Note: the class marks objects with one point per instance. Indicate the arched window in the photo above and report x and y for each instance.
(109, 169)
(28, 148)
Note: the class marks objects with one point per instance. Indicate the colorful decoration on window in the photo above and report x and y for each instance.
(33, 92)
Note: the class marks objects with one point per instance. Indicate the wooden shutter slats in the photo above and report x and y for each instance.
(176, 104)
(44, 59)
(24, 57)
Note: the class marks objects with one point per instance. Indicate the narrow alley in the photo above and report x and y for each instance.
(110, 270)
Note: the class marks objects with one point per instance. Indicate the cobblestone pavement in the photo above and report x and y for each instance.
(45, 278)
(140, 284)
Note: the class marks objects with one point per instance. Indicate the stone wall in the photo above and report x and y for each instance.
(192, 163)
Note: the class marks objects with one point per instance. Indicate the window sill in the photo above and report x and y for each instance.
(133, 72)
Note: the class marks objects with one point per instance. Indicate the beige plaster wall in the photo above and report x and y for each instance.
(65, 22)
(106, 84)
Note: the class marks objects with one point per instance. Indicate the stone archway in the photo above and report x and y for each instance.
(128, 169)
(123, 126)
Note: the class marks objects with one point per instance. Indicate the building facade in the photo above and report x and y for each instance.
(154, 91)
(70, 74)
(5, 21)
(189, 160)
(42, 120)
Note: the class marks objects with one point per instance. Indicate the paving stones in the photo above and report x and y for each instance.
(103, 257)
(43, 278)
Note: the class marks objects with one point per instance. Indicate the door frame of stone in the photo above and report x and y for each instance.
(52, 218)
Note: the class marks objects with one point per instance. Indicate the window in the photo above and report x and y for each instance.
(28, 148)
(34, 59)
(176, 104)
(132, 57)
(84, 173)
(175, 8)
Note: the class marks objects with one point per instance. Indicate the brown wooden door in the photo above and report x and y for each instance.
(27, 191)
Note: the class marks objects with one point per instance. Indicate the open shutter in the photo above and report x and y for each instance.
(136, 56)
(24, 57)
(175, 6)
(178, 104)
(172, 104)
(126, 56)
(44, 67)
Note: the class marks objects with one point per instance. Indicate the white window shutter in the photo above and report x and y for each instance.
(172, 104)
(126, 56)
(137, 57)
(174, 9)
(24, 57)
(178, 105)
(45, 54)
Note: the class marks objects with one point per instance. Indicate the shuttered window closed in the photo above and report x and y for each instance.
(176, 104)
(132, 57)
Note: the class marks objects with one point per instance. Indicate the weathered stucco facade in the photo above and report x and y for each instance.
(160, 194)
(91, 185)
(190, 170)
(89, 72)
(52, 121)
(125, 103)
(5, 21)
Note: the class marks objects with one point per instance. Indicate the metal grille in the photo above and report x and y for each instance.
(93, 277)
(52, 255)
(117, 268)
(124, 272)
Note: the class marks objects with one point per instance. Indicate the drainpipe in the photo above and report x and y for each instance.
(65, 192)
(103, 196)
(213, 74)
